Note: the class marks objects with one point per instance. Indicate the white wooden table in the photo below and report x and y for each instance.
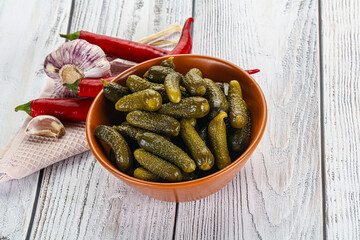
(302, 182)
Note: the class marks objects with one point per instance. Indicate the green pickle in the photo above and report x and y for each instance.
(128, 130)
(194, 83)
(158, 166)
(168, 63)
(162, 147)
(191, 107)
(239, 138)
(216, 97)
(123, 156)
(218, 141)
(114, 91)
(238, 108)
(154, 122)
(148, 99)
(136, 84)
(172, 86)
(157, 73)
(203, 157)
(143, 174)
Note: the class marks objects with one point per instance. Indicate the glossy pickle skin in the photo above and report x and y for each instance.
(157, 73)
(128, 130)
(147, 99)
(155, 122)
(240, 138)
(123, 155)
(136, 84)
(144, 174)
(172, 86)
(162, 147)
(203, 157)
(191, 107)
(216, 97)
(158, 166)
(218, 140)
(168, 63)
(194, 83)
(114, 91)
(238, 108)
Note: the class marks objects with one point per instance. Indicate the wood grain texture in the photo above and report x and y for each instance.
(278, 193)
(27, 35)
(78, 195)
(341, 82)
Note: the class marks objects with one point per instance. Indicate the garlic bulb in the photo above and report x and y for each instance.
(45, 125)
(73, 61)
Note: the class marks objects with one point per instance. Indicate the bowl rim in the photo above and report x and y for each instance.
(243, 157)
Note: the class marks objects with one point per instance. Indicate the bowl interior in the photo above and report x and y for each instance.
(103, 112)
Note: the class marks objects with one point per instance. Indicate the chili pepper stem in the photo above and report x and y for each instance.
(74, 87)
(106, 83)
(71, 36)
(24, 107)
(69, 74)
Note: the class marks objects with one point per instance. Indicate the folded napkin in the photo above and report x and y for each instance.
(24, 155)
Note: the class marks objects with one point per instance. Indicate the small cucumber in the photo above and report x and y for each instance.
(123, 156)
(162, 147)
(218, 141)
(158, 166)
(148, 99)
(238, 108)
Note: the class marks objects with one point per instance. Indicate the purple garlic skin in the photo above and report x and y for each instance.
(45, 125)
(75, 60)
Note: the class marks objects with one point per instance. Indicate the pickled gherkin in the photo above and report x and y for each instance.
(239, 138)
(114, 91)
(123, 156)
(238, 108)
(168, 63)
(172, 86)
(148, 99)
(157, 73)
(154, 122)
(143, 174)
(218, 141)
(158, 166)
(199, 151)
(162, 147)
(191, 107)
(194, 83)
(136, 83)
(216, 97)
(224, 87)
(129, 131)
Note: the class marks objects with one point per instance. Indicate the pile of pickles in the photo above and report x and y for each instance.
(177, 128)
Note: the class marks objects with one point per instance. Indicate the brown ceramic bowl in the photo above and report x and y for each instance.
(102, 112)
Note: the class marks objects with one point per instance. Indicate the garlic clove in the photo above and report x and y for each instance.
(45, 125)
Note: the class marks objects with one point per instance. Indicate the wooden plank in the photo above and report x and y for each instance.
(79, 196)
(277, 195)
(341, 78)
(28, 32)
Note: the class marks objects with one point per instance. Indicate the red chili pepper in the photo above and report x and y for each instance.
(120, 48)
(65, 109)
(134, 51)
(252, 71)
(88, 87)
(184, 45)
